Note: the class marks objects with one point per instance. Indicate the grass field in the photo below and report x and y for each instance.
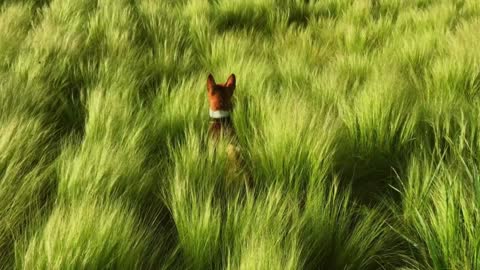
(359, 122)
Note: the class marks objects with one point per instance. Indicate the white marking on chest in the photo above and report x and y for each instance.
(219, 114)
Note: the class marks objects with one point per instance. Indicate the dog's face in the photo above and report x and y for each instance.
(220, 95)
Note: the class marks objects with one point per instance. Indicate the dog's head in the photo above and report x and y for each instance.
(220, 95)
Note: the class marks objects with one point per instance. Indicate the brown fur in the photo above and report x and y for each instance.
(220, 95)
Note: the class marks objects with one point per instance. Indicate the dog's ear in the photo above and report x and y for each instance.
(210, 83)
(231, 82)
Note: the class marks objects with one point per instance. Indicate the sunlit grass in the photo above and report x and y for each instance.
(358, 124)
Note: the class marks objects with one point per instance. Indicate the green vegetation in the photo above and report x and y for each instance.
(359, 123)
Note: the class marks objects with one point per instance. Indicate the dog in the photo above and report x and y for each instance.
(221, 125)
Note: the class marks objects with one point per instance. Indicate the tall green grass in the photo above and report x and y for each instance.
(358, 122)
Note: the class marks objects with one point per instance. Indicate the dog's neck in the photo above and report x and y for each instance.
(221, 123)
(218, 114)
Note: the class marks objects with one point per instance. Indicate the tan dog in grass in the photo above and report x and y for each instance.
(221, 106)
